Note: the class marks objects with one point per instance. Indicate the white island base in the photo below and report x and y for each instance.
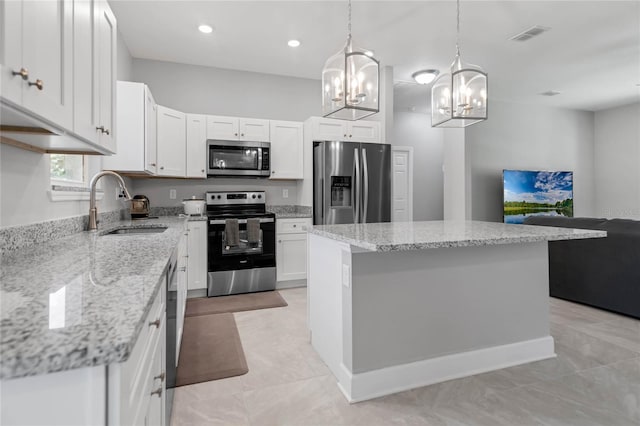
(385, 322)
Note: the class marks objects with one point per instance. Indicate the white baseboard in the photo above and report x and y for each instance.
(280, 285)
(385, 381)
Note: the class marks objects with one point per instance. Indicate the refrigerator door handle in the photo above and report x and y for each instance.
(355, 193)
(365, 184)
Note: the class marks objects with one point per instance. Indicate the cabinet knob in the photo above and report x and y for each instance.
(350, 136)
(202, 171)
(161, 167)
(241, 134)
(295, 225)
(38, 83)
(157, 392)
(273, 172)
(23, 73)
(280, 241)
(156, 323)
(235, 134)
(345, 135)
(152, 164)
(160, 376)
(101, 129)
(107, 132)
(183, 269)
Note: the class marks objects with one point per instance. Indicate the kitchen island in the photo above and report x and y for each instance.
(395, 306)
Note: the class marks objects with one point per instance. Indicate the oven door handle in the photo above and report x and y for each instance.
(240, 221)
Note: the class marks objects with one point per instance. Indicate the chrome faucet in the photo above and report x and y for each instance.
(93, 211)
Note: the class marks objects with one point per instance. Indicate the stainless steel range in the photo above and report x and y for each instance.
(242, 243)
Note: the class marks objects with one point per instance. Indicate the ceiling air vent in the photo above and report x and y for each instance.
(536, 30)
(550, 93)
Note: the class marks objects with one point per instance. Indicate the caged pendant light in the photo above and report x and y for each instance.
(350, 82)
(459, 98)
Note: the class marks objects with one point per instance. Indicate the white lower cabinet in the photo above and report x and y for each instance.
(181, 300)
(197, 251)
(291, 251)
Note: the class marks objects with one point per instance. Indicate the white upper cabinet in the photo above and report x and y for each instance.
(171, 142)
(330, 129)
(106, 61)
(286, 150)
(37, 58)
(236, 128)
(196, 146)
(136, 130)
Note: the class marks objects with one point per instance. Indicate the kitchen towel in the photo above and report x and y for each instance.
(253, 231)
(231, 232)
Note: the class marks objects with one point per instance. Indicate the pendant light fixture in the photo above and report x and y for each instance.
(350, 82)
(459, 99)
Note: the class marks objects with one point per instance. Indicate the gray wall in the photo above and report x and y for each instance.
(25, 179)
(414, 129)
(529, 137)
(617, 162)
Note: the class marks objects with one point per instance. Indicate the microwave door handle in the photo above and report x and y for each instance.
(259, 165)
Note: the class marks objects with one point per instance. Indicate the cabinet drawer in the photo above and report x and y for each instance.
(292, 226)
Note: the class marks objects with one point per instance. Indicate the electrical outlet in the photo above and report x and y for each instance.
(172, 194)
(285, 193)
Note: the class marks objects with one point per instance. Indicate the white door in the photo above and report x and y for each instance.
(402, 190)
(47, 44)
(328, 129)
(107, 69)
(85, 93)
(196, 146)
(286, 150)
(254, 130)
(150, 132)
(364, 131)
(11, 84)
(171, 142)
(291, 257)
(222, 128)
(197, 252)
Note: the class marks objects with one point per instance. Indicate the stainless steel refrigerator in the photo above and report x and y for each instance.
(351, 182)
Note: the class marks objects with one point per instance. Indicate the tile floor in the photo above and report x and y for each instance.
(595, 380)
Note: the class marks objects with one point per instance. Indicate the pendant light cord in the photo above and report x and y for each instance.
(458, 27)
(349, 24)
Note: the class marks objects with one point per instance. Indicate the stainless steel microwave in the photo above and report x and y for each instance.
(238, 158)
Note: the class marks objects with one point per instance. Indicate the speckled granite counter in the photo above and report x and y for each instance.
(291, 211)
(399, 236)
(80, 301)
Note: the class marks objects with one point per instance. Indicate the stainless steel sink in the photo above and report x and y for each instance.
(140, 230)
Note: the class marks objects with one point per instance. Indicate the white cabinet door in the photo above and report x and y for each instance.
(47, 53)
(171, 142)
(11, 84)
(106, 62)
(181, 302)
(286, 150)
(85, 93)
(255, 130)
(291, 257)
(197, 252)
(196, 146)
(364, 131)
(150, 128)
(222, 128)
(328, 129)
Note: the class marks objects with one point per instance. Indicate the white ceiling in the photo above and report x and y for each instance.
(591, 54)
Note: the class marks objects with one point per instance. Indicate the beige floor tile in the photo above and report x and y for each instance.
(569, 313)
(622, 331)
(224, 410)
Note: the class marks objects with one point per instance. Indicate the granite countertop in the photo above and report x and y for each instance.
(399, 236)
(291, 211)
(80, 301)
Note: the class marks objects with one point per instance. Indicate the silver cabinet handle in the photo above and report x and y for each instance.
(161, 167)
(184, 268)
(101, 128)
(202, 171)
(160, 376)
(107, 132)
(38, 83)
(345, 135)
(156, 323)
(152, 164)
(350, 136)
(241, 134)
(235, 134)
(157, 392)
(23, 73)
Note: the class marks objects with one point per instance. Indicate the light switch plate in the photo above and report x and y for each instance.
(346, 275)
(172, 194)
(285, 193)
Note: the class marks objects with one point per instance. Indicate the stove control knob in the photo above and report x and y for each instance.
(259, 196)
(218, 197)
(253, 196)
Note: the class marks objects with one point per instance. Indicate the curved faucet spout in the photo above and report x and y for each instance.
(93, 211)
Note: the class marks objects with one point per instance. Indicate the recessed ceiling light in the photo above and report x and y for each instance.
(425, 76)
(293, 43)
(205, 29)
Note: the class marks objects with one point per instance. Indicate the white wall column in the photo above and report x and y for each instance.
(457, 185)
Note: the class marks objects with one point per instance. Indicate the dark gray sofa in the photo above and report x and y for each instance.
(601, 272)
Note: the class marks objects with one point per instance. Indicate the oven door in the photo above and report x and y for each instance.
(245, 267)
(238, 158)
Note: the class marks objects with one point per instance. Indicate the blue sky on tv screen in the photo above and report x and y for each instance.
(537, 187)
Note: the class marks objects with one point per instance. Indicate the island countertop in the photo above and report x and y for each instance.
(80, 301)
(400, 236)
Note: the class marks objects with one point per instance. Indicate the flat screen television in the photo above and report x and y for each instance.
(536, 193)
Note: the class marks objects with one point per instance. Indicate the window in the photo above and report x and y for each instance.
(68, 170)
